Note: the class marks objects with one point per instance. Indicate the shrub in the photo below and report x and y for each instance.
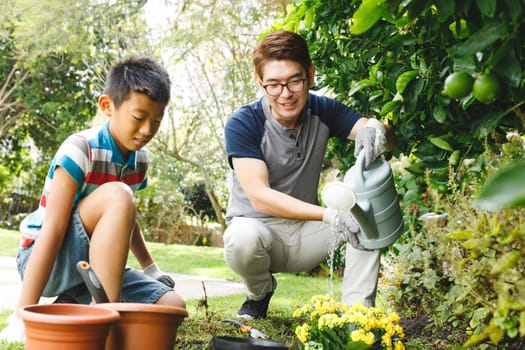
(466, 274)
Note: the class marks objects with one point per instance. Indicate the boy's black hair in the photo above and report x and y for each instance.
(137, 74)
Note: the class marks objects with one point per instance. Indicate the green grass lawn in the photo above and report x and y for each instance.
(205, 316)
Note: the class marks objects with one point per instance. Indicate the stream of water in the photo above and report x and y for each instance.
(332, 247)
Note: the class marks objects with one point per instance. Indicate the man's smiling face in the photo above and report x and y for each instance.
(287, 106)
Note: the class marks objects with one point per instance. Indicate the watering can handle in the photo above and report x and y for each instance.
(360, 167)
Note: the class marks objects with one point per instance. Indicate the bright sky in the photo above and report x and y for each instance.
(157, 12)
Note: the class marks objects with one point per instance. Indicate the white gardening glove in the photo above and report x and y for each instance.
(344, 226)
(371, 138)
(14, 331)
(154, 272)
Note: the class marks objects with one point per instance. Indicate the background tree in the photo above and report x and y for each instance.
(208, 48)
(53, 58)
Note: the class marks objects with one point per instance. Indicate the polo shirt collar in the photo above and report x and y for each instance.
(116, 155)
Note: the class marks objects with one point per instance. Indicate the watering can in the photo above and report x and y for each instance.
(370, 195)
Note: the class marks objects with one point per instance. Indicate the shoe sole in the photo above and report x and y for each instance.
(245, 317)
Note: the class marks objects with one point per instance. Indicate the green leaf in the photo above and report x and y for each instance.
(360, 85)
(388, 107)
(439, 113)
(475, 339)
(440, 142)
(487, 7)
(459, 235)
(490, 120)
(416, 168)
(515, 9)
(480, 40)
(495, 333)
(505, 262)
(352, 345)
(405, 78)
(510, 66)
(309, 17)
(367, 15)
(476, 243)
(522, 323)
(459, 29)
(445, 9)
(504, 189)
(454, 157)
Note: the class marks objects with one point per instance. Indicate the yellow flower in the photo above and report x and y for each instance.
(387, 341)
(324, 313)
(302, 333)
(360, 335)
(399, 346)
(330, 321)
(393, 317)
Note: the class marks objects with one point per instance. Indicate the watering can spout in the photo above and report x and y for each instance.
(361, 213)
(340, 196)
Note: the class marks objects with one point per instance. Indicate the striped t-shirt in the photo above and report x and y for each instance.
(92, 158)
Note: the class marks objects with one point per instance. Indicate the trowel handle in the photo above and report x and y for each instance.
(92, 282)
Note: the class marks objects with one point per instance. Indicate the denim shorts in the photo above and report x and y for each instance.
(65, 279)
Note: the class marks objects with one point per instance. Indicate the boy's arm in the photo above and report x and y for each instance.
(141, 252)
(58, 211)
(139, 248)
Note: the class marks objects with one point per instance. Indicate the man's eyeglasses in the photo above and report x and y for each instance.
(275, 89)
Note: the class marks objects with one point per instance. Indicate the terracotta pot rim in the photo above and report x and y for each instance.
(153, 308)
(57, 314)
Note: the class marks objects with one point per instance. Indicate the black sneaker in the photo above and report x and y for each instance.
(252, 309)
(65, 299)
(78, 294)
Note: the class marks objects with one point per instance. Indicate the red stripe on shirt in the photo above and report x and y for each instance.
(100, 178)
(133, 179)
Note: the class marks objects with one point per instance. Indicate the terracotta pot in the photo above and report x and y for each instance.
(144, 326)
(66, 326)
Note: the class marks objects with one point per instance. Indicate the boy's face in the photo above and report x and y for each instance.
(286, 106)
(134, 123)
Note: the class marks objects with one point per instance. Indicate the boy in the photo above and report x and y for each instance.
(87, 209)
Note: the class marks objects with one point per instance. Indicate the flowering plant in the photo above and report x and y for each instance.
(329, 325)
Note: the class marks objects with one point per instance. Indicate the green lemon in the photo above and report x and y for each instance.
(486, 88)
(442, 188)
(458, 85)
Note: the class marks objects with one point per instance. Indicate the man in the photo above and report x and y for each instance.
(276, 148)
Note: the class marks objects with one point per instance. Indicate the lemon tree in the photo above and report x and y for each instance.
(424, 67)
(392, 59)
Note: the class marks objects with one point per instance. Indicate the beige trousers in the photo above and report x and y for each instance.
(257, 248)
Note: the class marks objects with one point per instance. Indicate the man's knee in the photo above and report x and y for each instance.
(240, 246)
(242, 241)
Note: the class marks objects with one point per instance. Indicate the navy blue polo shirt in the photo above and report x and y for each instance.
(294, 157)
